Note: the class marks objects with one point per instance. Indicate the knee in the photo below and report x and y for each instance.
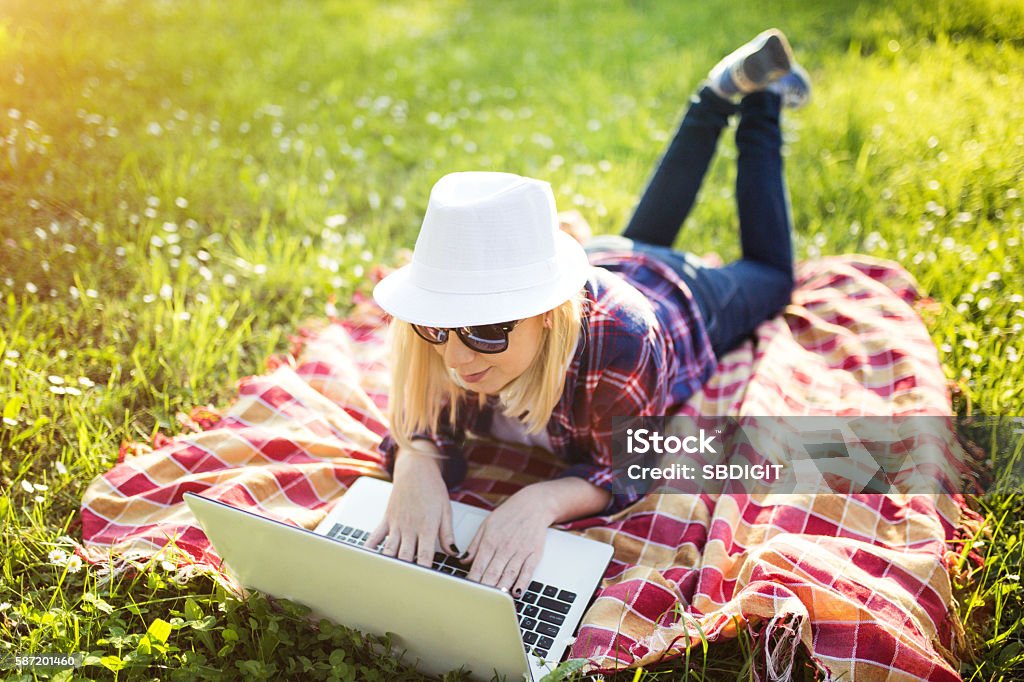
(782, 284)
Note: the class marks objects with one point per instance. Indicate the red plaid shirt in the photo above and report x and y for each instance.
(643, 350)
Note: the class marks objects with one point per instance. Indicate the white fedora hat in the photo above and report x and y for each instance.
(489, 250)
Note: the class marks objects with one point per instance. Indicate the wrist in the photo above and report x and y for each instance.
(421, 461)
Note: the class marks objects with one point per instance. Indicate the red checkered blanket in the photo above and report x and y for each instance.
(859, 581)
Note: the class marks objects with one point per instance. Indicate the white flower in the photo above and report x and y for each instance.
(4, 606)
(57, 557)
(74, 563)
(27, 487)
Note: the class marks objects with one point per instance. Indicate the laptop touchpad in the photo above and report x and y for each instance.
(466, 523)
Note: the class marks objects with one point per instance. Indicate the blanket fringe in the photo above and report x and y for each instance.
(780, 639)
(109, 566)
(782, 647)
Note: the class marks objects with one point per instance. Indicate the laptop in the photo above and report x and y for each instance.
(439, 618)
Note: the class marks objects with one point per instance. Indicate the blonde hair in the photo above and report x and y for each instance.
(421, 386)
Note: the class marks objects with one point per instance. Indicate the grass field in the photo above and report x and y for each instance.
(181, 183)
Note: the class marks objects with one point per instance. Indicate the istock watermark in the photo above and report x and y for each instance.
(819, 454)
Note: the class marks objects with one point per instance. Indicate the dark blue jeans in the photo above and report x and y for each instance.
(734, 298)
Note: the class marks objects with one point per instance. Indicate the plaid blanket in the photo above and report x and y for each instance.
(859, 581)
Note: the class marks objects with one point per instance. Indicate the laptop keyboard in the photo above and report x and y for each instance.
(541, 610)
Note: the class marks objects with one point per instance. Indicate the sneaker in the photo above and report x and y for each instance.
(753, 66)
(794, 87)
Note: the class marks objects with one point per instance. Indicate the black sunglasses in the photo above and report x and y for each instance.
(482, 338)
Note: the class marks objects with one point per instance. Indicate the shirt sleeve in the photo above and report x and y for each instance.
(631, 387)
(449, 441)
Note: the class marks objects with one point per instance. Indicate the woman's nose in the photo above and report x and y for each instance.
(456, 354)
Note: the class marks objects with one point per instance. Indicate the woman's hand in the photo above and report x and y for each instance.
(418, 512)
(509, 544)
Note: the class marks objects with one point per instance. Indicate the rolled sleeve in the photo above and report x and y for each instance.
(449, 443)
(609, 479)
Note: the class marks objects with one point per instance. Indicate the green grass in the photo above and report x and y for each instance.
(167, 170)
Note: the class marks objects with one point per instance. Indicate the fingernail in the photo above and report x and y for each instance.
(519, 592)
(453, 548)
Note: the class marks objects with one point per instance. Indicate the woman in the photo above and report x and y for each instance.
(504, 329)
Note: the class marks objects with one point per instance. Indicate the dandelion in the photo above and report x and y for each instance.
(57, 557)
(74, 564)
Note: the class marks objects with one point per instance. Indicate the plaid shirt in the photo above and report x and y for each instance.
(643, 350)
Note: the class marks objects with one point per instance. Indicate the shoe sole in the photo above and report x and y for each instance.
(768, 62)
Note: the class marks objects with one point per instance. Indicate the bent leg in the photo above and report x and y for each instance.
(671, 191)
(737, 297)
